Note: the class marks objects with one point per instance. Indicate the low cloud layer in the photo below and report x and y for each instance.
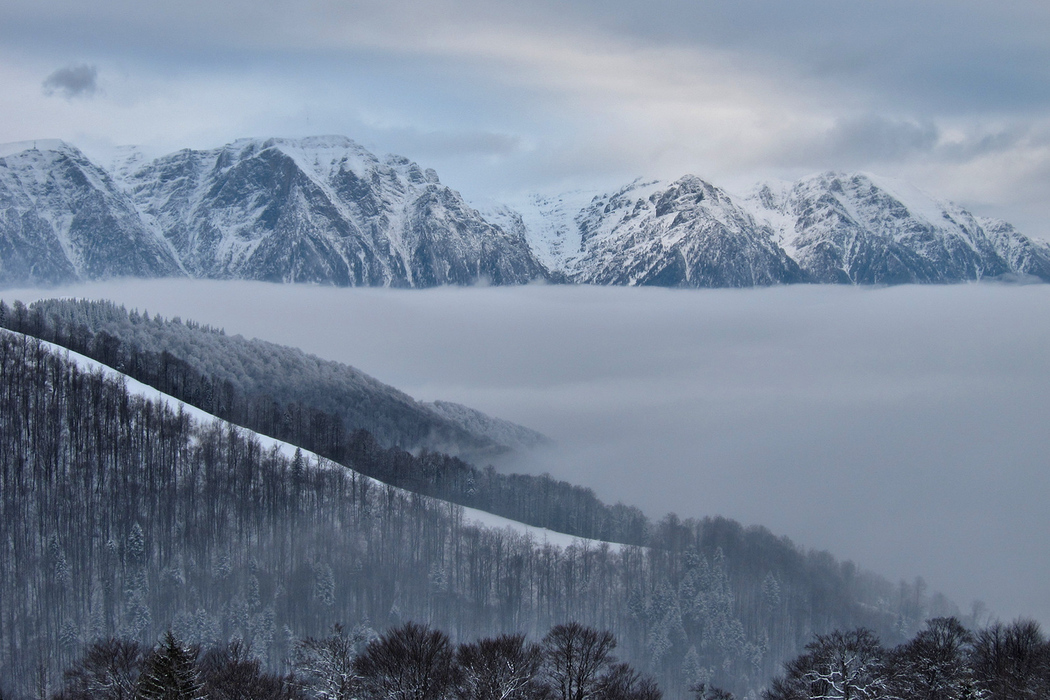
(902, 428)
(72, 81)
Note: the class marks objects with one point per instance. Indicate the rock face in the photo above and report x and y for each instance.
(686, 234)
(829, 228)
(861, 229)
(63, 218)
(320, 210)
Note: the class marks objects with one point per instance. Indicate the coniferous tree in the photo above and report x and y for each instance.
(170, 673)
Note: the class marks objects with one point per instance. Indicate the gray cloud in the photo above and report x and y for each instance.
(902, 428)
(861, 141)
(72, 81)
(501, 96)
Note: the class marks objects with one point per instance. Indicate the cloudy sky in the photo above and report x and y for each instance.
(504, 96)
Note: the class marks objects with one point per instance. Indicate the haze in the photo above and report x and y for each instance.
(904, 428)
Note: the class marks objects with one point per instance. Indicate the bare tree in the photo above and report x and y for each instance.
(230, 672)
(503, 668)
(576, 658)
(621, 682)
(411, 662)
(1012, 662)
(326, 665)
(836, 666)
(934, 665)
(108, 670)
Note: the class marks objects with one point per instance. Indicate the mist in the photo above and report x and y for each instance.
(903, 428)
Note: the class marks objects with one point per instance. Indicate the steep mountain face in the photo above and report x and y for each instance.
(63, 219)
(320, 210)
(688, 233)
(860, 229)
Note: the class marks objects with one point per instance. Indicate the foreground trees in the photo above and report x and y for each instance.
(942, 662)
(409, 662)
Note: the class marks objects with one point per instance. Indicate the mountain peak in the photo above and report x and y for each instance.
(42, 145)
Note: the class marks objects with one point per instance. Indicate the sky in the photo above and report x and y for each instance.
(504, 97)
(902, 428)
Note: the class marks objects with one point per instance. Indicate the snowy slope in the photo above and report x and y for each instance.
(501, 432)
(549, 224)
(470, 515)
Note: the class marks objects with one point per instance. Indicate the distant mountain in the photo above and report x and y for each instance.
(321, 210)
(63, 218)
(325, 210)
(862, 229)
(830, 228)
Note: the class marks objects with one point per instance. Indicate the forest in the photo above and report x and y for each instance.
(126, 518)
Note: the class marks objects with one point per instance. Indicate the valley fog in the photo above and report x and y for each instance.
(903, 428)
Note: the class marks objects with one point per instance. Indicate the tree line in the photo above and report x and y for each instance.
(323, 407)
(408, 662)
(944, 661)
(124, 517)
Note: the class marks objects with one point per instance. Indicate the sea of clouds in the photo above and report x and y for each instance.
(905, 428)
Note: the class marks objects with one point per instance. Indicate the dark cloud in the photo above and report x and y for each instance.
(72, 81)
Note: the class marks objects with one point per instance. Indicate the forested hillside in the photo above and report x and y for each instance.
(252, 382)
(122, 516)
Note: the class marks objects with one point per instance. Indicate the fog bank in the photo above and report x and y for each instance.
(903, 428)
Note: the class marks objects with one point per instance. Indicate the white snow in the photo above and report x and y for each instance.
(541, 536)
(921, 205)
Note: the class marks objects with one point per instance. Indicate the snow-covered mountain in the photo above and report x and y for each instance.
(64, 218)
(863, 229)
(688, 233)
(832, 228)
(325, 210)
(319, 209)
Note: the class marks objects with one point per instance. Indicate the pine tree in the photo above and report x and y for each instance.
(170, 673)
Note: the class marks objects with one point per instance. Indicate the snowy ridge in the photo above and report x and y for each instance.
(687, 233)
(325, 210)
(831, 227)
(321, 210)
(865, 229)
(541, 536)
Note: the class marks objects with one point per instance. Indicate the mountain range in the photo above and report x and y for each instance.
(325, 210)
